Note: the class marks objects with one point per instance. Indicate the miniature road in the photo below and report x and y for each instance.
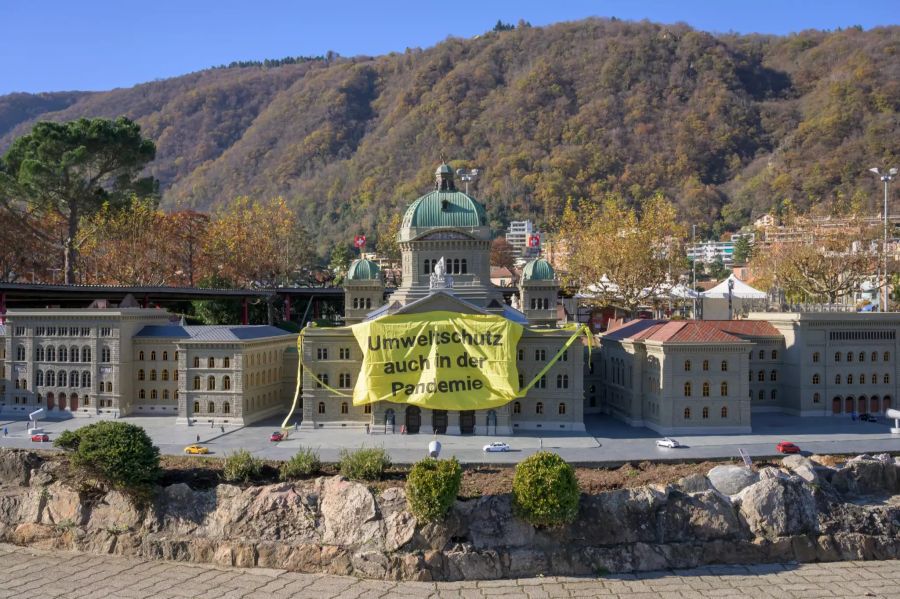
(34, 573)
(606, 442)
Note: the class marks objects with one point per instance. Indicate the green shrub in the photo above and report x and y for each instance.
(365, 463)
(431, 488)
(545, 490)
(305, 463)
(241, 467)
(67, 440)
(120, 454)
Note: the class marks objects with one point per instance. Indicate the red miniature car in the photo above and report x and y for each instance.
(787, 447)
(42, 438)
(276, 436)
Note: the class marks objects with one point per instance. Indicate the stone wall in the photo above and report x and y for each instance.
(803, 512)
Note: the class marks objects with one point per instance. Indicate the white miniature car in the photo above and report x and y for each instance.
(667, 442)
(496, 446)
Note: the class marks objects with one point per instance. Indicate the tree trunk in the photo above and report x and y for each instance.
(70, 252)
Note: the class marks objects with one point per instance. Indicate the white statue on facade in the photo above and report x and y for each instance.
(439, 278)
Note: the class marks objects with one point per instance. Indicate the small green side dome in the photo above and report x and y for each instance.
(538, 270)
(363, 270)
(444, 209)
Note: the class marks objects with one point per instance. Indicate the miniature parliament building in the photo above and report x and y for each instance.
(445, 244)
(670, 376)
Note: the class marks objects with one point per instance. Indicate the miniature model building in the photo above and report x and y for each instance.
(445, 247)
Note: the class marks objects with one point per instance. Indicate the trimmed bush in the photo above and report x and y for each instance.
(545, 490)
(118, 453)
(365, 463)
(305, 463)
(241, 467)
(431, 488)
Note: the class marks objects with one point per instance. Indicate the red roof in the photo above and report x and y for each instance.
(693, 331)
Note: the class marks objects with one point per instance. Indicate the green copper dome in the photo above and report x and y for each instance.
(363, 270)
(444, 209)
(538, 270)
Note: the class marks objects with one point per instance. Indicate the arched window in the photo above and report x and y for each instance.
(153, 374)
(165, 356)
(762, 394)
(774, 394)
(51, 378)
(321, 407)
(887, 378)
(345, 409)
(73, 354)
(724, 366)
(849, 379)
(862, 356)
(61, 352)
(141, 355)
(837, 356)
(153, 355)
(837, 379)
(815, 379)
(51, 354)
(874, 356)
(210, 407)
(226, 408)
(142, 394)
(85, 354)
(724, 412)
(141, 375)
(105, 354)
(687, 389)
(368, 303)
(562, 408)
(39, 354)
(761, 376)
(705, 412)
(517, 407)
(539, 408)
(705, 389)
(773, 376)
(816, 398)
(226, 382)
(211, 362)
(211, 383)
(723, 389)
(687, 413)
(196, 361)
(705, 365)
(165, 394)
(152, 393)
(73, 378)
(774, 354)
(815, 357)
(109, 386)
(196, 383)
(687, 365)
(85, 379)
(61, 378)
(226, 362)
(849, 356)
(762, 354)
(887, 356)
(164, 375)
(196, 407)
(39, 378)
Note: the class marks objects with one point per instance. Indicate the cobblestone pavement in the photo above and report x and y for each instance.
(26, 572)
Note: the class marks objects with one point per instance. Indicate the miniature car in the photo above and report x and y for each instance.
(667, 442)
(195, 449)
(787, 447)
(42, 438)
(496, 446)
(276, 436)
(868, 417)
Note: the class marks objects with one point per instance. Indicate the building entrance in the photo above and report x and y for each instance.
(439, 421)
(467, 422)
(413, 419)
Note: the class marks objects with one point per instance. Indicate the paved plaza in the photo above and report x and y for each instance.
(29, 572)
(608, 441)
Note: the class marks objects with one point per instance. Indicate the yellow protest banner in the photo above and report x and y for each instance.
(439, 360)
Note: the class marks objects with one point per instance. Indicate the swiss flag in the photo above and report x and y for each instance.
(534, 241)
(359, 241)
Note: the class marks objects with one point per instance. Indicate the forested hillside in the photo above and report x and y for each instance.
(728, 127)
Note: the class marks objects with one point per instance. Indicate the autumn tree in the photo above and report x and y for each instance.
(387, 245)
(621, 256)
(24, 257)
(254, 243)
(502, 254)
(70, 171)
(187, 236)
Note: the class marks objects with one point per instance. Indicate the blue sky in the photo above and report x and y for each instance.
(51, 45)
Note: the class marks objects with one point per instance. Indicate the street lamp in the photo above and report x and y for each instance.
(886, 178)
(467, 175)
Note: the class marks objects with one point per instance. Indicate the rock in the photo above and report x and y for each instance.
(766, 473)
(802, 467)
(693, 483)
(778, 508)
(61, 506)
(399, 528)
(370, 564)
(491, 522)
(622, 516)
(16, 466)
(866, 476)
(701, 516)
(115, 513)
(522, 562)
(349, 514)
(730, 480)
(472, 565)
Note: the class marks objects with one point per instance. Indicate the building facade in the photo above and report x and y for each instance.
(134, 361)
(446, 227)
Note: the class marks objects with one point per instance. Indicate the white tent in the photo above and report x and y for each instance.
(741, 290)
